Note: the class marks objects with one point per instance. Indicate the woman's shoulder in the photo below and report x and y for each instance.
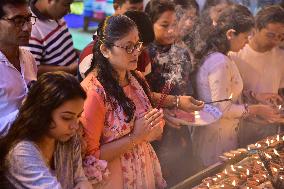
(24, 146)
(92, 85)
(215, 60)
(23, 152)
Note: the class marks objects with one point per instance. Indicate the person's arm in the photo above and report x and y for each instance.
(27, 169)
(72, 68)
(186, 103)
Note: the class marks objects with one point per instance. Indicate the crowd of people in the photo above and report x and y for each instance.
(99, 118)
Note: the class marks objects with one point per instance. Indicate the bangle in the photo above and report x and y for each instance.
(131, 140)
(177, 102)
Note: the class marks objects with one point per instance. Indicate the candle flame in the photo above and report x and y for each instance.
(214, 179)
(278, 138)
(208, 184)
(222, 186)
(232, 167)
(248, 148)
(281, 178)
(275, 152)
(219, 176)
(226, 171)
(280, 106)
(264, 176)
(258, 162)
(267, 142)
(267, 155)
(240, 167)
(231, 96)
(234, 183)
(257, 180)
(247, 172)
(271, 141)
(274, 169)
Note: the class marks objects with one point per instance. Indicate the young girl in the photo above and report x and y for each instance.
(118, 118)
(41, 149)
(218, 78)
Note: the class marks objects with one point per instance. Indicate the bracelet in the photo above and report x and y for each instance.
(131, 140)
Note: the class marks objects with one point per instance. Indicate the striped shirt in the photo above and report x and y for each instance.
(51, 42)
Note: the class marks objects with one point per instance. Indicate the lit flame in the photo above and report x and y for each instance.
(208, 184)
(240, 167)
(274, 169)
(248, 148)
(226, 171)
(267, 155)
(275, 152)
(262, 164)
(264, 176)
(267, 142)
(222, 186)
(234, 183)
(257, 180)
(278, 137)
(271, 141)
(281, 178)
(283, 138)
(279, 107)
(214, 179)
(247, 172)
(219, 176)
(258, 162)
(232, 167)
(231, 96)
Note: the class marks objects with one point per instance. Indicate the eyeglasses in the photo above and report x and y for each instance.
(20, 21)
(131, 47)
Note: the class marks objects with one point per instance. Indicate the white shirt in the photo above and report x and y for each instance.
(13, 86)
(218, 78)
(261, 72)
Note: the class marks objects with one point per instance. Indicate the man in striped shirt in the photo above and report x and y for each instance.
(51, 42)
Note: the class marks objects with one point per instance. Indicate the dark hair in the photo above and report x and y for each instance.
(109, 31)
(144, 25)
(49, 92)
(213, 3)
(187, 4)
(269, 14)
(121, 2)
(10, 2)
(237, 17)
(155, 8)
(208, 38)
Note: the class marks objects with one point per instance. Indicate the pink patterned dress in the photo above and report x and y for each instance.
(138, 168)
